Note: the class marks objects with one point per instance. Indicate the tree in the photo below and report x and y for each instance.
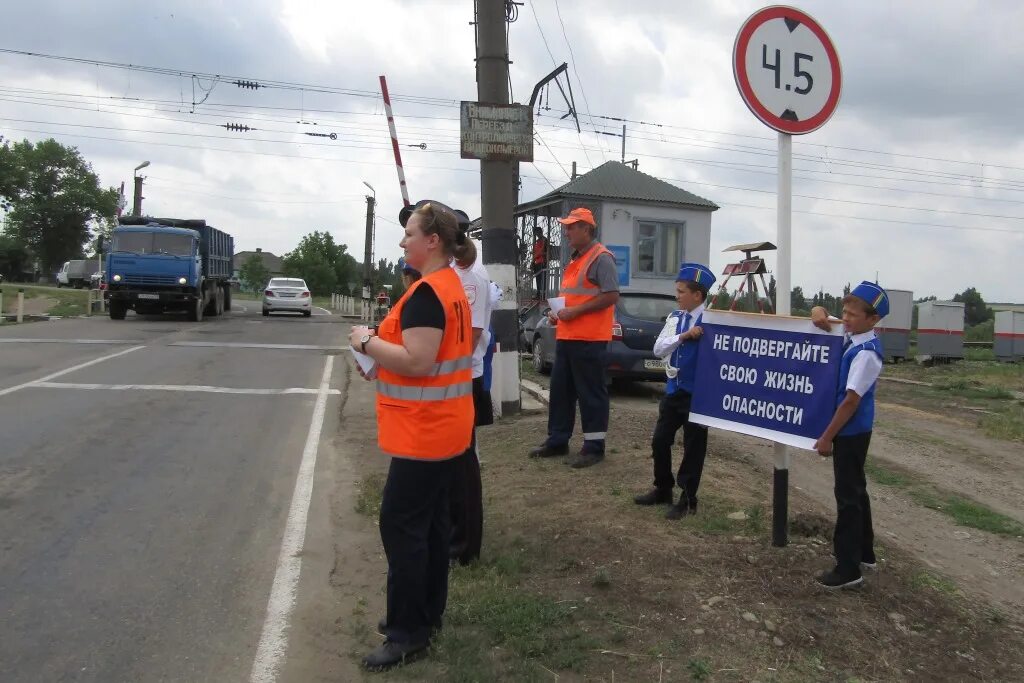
(54, 196)
(797, 300)
(254, 274)
(975, 309)
(315, 260)
(14, 258)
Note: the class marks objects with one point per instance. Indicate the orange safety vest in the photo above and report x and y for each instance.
(430, 418)
(577, 289)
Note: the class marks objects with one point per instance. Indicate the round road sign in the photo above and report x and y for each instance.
(787, 70)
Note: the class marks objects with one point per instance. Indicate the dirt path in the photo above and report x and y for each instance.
(982, 564)
(949, 452)
(953, 454)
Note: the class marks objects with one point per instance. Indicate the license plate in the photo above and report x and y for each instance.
(150, 296)
(655, 364)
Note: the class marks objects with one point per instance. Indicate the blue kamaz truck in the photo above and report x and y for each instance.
(156, 265)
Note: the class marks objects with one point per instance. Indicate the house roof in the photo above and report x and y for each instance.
(614, 180)
(270, 261)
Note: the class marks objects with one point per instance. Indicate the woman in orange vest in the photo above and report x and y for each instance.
(424, 354)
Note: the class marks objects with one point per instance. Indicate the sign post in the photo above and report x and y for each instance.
(788, 73)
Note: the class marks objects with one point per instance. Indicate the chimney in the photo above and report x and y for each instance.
(258, 250)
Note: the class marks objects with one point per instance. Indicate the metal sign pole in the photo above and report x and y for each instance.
(784, 209)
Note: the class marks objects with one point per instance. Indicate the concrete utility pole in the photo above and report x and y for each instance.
(497, 202)
(137, 204)
(368, 246)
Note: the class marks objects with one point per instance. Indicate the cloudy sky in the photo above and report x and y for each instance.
(918, 176)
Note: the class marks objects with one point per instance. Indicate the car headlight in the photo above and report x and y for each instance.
(182, 280)
(117, 278)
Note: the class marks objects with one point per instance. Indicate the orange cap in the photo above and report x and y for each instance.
(579, 215)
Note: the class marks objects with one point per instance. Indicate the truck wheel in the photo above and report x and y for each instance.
(118, 310)
(195, 314)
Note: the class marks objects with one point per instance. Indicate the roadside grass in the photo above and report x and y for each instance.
(926, 580)
(577, 583)
(70, 302)
(371, 489)
(978, 370)
(963, 511)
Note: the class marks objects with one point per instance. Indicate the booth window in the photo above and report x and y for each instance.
(658, 247)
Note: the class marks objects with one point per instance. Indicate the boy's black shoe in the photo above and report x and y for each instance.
(547, 451)
(654, 497)
(586, 459)
(682, 508)
(869, 561)
(833, 580)
(392, 654)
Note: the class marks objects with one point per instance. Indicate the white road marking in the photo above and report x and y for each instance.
(274, 639)
(182, 388)
(73, 368)
(325, 311)
(11, 340)
(247, 345)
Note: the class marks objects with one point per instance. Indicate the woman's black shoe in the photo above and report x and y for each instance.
(392, 654)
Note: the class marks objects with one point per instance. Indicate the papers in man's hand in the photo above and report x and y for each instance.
(556, 303)
(366, 364)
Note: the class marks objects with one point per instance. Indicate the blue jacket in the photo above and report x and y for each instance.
(684, 358)
(862, 420)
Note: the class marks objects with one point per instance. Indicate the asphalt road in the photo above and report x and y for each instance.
(144, 496)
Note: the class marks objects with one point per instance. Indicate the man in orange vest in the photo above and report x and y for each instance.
(590, 285)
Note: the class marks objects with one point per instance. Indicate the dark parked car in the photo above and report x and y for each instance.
(639, 318)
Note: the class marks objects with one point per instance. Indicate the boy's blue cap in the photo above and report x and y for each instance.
(874, 295)
(405, 267)
(695, 272)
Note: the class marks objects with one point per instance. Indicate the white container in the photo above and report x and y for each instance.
(894, 329)
(940, 329)
(1008, 343)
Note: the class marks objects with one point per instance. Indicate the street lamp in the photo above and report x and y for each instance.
(137, 204)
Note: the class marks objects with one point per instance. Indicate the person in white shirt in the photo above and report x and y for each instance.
(467, 489)
(677, 343)
(848, 435)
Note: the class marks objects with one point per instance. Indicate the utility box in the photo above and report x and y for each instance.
(940, 329)
(1009, 337)
(894, 329)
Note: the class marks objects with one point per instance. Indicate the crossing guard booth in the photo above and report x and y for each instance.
(651, 226)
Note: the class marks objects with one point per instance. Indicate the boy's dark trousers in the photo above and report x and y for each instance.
(854, 537)
(579, 375)
(673, 414)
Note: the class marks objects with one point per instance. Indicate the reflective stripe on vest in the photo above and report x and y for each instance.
(577, 290)
(405, 393)
(430, 417)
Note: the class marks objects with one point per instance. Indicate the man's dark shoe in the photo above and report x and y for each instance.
(869, 561)
(585, 459)
(547, 451)
(392, 654)
(654, 497)
(834, 580)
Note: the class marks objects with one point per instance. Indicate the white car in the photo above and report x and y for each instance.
(287, 294)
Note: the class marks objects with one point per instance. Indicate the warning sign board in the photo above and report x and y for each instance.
(497, 132)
